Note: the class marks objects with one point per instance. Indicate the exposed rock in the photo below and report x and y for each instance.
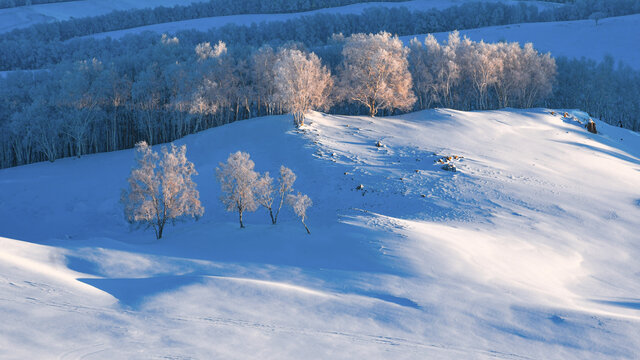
(449, 167)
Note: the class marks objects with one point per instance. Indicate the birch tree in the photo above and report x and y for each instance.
(238, 184)
(300, 203)
(375, 73)
(302, 83)
(160, 188)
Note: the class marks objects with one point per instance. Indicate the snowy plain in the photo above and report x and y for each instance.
(529, 251)
(615, 36)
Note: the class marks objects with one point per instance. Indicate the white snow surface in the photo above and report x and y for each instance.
(204, 24)
(528, 251)
(615, 36)
(24, 16)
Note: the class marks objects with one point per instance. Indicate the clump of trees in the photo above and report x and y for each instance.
(244, 189)
(469, 75)
(160, 188)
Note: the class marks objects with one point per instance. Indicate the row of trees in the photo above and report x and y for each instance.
(468, 75)
(40, 46)
(161, 189)
(91, 107)
(244, 189)
(4, 4)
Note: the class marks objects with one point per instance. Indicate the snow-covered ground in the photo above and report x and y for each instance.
(205, 24)
(24, 16)
(616, 36)
(529, 251)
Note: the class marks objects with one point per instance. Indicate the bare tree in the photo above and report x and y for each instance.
(238, 183)
(160, 188)
(300, 203)
(302, 83)
(375, 72)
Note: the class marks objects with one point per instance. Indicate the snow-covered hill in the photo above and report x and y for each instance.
(615, 36)
(528, 251)
(204, 24)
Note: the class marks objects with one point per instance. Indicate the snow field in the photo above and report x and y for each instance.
(527, 251)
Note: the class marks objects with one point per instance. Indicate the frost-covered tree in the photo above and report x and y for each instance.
(300, 203)
(264, 194)
(302, 83)
(81, 101)
(597, 16)
(148, 95)
(265, 190)
(160, 188)
(285, 186)
(238, 184)
(262, 65)
(204, 50)
(481, 67)
(446, 69)
(375, 72)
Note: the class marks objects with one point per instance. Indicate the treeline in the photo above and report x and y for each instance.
(4, 4)
(467, 75)
(31, 48)
(605, 90)
(90, 106)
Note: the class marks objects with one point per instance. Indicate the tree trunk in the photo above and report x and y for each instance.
(273, 220)
(305, 227)
(240, 214)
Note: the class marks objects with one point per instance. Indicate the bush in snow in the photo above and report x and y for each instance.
(160, 188)
(300, 203)
(238, 182)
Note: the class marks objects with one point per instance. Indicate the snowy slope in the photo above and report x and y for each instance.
(528, 251)
(205, 24)
(24, 16)
(616, 36)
